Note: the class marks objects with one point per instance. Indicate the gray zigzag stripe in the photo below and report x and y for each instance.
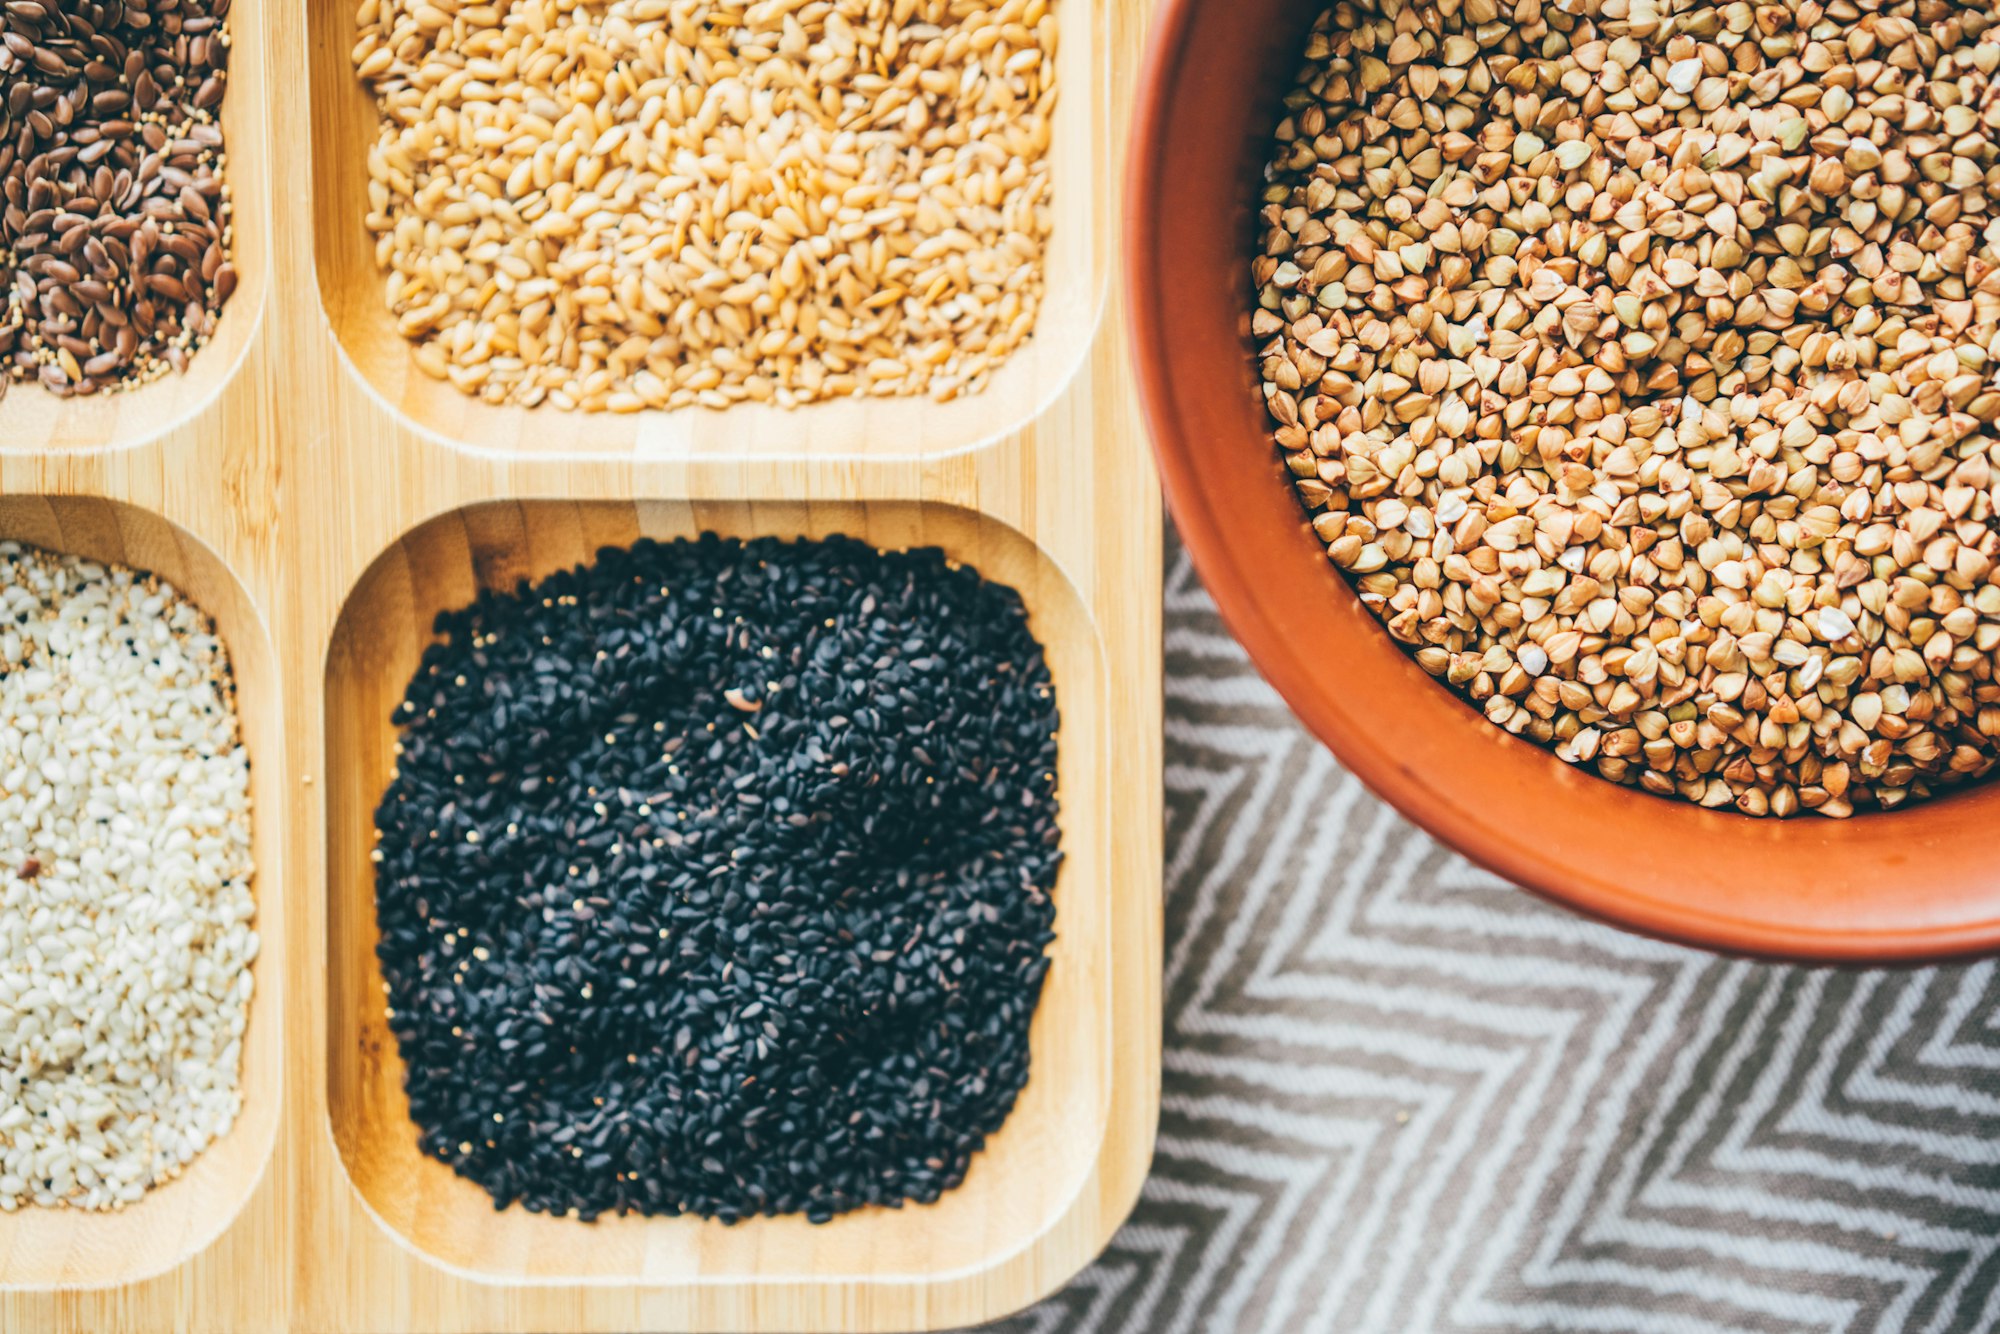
(1403, 1098)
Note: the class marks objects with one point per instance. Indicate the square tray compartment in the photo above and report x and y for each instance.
(344, 121)
(32, 419)
(1036, 1185)
(70, 1248)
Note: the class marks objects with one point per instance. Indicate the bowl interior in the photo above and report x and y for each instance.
(32, 419)
(351, 288)
(50, 1248)
(1922, 881)
(1029, 1172)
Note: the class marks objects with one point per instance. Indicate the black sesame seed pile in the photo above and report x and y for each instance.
(715, 879)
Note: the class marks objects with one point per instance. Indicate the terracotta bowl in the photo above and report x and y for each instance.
(1917, 883)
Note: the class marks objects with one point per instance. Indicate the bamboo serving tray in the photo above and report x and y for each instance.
(322, 499)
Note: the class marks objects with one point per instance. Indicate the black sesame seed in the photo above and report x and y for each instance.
(715, 878)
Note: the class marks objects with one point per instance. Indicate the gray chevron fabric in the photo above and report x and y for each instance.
(1403, 1097)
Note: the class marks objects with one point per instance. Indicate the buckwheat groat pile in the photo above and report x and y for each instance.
(1637, 359)
(653, 203)
(125, 906)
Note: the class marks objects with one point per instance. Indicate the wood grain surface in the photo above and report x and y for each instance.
(322, 500)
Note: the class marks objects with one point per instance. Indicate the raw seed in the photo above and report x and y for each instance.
(1641, 368)
(715, 878)
(663, 203)
(114, 215)
(125, 937)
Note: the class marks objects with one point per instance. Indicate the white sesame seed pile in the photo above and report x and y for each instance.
(658, 203)
(125, 905)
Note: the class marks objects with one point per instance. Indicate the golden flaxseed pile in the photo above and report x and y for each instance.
(1637, 360)
(655, 203)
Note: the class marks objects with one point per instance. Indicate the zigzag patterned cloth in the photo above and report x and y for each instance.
(1403, 1098)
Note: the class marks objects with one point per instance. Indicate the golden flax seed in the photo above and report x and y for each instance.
(659, 203)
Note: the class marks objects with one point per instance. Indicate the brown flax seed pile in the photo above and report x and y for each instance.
(1639, 359)
(115, 215)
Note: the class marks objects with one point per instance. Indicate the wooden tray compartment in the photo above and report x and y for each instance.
(1017, 1187)
(344, 126)
(32, 419)
(43, 1248)
(303, 476)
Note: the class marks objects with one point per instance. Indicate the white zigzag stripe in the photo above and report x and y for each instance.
(1325, 1178)
(1738, 1152)
(1873, 1081)
(1596, 1142)
(1497, 916)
